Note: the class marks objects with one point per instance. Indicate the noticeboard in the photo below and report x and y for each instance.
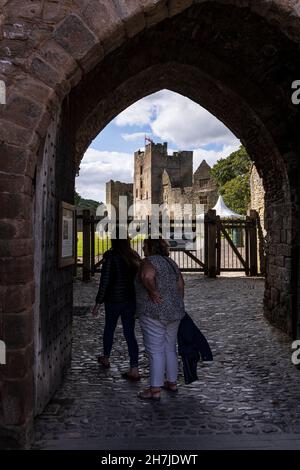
(66, 239)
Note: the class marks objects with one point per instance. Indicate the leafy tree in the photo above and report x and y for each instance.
(77, 198)
(238, 163)
(236, 194)
(232, 175)
(82, 203)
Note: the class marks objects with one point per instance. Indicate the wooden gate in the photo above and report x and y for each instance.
(231, 244)
(210, 245)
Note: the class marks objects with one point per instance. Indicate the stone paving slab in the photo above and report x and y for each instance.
(248, 396)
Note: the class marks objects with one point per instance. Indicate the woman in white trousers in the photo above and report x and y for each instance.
(160, 307)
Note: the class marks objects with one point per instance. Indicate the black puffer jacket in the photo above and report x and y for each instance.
(117, 280)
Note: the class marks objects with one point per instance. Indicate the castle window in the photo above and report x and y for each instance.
(141, 169)
(136, 193)
(203, 183)
(203, 200)
(147, 195)
(141, 184)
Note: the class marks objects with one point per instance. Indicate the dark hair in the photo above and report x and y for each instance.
(157, 246)
(123, 248)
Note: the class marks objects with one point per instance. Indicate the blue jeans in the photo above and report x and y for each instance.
(125, 310)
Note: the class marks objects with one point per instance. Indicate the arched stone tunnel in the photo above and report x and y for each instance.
(72, 66)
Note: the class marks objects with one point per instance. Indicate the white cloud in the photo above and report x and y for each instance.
(138, 114)
(98, 167)
(211, 156)
(173, 117)
(133, 137)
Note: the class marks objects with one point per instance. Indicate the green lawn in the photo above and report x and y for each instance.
(102, 245)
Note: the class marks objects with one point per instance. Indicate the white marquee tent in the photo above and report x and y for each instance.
(223, 211)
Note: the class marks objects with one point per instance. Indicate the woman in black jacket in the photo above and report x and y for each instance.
(117, 292)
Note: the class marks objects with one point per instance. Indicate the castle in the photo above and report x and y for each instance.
(160, 178)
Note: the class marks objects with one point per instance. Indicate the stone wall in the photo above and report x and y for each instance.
(281, 262)
(160, 178)
(115, 189)
(258, 203)
(257, 196)
(192, 197)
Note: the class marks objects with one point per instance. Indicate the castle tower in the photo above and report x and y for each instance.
(149, 167)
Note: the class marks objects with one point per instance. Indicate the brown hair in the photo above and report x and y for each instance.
(157, 246)
(123, 248)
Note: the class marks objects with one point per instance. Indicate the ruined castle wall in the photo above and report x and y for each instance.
(180, 168)
(115, 189)
(257, 196)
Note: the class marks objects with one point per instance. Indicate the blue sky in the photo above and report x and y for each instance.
(164, 116)
(111, 139)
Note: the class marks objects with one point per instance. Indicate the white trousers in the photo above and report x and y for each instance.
(160, 344)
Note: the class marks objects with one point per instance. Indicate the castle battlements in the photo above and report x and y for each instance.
(160, 178)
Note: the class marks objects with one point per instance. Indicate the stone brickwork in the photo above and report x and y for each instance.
(115, 189)
(258, 203)
(160, 178)
(198, 198)
(257, 196)
(149, 167)
(236, 58)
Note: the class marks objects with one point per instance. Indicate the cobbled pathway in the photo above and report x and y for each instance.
(249, 394)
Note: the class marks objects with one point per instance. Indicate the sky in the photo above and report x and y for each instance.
(164, 116)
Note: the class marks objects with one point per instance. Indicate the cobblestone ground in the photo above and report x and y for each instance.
(250, 393)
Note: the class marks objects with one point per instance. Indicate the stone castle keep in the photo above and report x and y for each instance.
(161, 178)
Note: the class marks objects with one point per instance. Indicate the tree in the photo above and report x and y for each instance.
(236, 194)
(82, 203)
(232, 175)
(77, 198)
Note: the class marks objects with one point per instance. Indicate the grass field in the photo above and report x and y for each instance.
(102, 245)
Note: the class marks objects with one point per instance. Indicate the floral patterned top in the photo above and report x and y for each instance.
(166, 277)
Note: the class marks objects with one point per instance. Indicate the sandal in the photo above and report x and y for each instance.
(170, 387)
(131, 377)
(148, 394)
(104, 361)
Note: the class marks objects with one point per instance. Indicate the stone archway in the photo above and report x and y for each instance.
(70, 68)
